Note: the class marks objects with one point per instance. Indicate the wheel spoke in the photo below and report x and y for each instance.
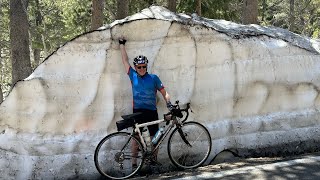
(114, 156)
(185, 156)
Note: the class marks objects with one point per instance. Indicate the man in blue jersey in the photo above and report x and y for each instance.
(144, 89)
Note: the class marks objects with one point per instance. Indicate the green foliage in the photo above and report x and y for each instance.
(306, 13)
(4, 25)
(5, 65)
(76, 15)
(137, 5)
(110, 11)
(62, 20)
(5, 71)
(213, 9)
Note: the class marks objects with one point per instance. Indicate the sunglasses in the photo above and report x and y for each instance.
(139, 67)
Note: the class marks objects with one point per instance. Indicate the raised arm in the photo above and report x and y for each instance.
(124, 54)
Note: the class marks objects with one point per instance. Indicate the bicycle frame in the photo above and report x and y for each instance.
(173, 118)
(156, 146)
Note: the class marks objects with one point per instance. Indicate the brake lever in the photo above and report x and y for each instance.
(167, 118)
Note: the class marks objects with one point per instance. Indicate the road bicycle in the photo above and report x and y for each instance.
(188, 146)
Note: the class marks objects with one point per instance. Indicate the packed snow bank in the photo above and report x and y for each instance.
(253, 87)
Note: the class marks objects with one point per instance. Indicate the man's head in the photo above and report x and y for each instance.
(140, 64)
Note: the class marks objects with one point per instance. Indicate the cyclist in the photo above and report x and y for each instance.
(144, 90)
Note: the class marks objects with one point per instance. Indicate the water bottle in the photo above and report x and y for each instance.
(146, 137)
(158, 135)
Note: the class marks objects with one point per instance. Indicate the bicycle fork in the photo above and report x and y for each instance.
(183, 137)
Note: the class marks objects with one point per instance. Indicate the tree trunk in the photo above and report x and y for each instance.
(1, 25)
(172, 5)
(36, 51)
(198, 7)
(36, 56)
(43, 39)
(150, 2)
(97, 14)
(264, 8)
(122, 8)
(19, 38)
(291, 16)
(250, 12)
(1, 95)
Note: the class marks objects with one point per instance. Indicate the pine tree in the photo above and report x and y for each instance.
(172, 5)
(122, 8)
(250, 12)
(19, 38)
(97, 14)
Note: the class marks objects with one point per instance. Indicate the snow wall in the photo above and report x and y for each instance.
(255, 88)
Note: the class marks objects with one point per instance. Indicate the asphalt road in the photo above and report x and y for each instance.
(296, 167)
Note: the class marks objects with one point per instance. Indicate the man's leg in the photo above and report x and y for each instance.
(153, 129)
(134, 149)
(153, 115)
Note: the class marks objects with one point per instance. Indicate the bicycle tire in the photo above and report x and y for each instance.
(113, 163)
(184, 156)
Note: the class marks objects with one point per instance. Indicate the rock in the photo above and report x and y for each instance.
(225, 156)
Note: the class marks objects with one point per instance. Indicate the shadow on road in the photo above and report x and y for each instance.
(295, 167)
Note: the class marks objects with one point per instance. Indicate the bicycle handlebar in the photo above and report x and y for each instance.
(176, 111)
(187, 111)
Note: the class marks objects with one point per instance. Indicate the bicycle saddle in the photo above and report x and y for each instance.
(131, 116)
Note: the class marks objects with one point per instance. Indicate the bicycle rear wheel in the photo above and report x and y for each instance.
(187, 156)
(114, 156)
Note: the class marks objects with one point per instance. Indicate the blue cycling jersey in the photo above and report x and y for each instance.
(144, 90)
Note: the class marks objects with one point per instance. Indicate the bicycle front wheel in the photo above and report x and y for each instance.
(189, 146)
(115, 155)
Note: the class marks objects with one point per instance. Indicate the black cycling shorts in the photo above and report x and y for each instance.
(148, 116)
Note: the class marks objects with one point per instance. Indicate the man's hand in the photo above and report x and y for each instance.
(169, 106)
(122, 41)
(124, 55)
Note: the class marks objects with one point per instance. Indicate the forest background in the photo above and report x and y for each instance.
(30, 30)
